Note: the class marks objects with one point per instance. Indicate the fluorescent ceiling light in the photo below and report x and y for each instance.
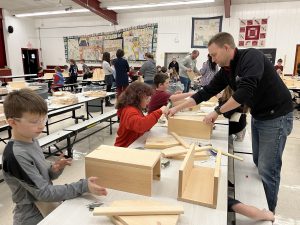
(52, 12)
(162, 4)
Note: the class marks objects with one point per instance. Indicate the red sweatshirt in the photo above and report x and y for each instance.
(134, 124)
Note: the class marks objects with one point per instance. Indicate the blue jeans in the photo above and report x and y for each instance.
(186, 83)
(268, 141)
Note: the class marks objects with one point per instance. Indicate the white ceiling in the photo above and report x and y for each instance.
(25, 6)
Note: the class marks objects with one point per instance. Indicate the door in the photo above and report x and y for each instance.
(30, 61)
(297, 61)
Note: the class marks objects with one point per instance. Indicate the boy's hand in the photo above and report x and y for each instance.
(61, 163)
(95, 188)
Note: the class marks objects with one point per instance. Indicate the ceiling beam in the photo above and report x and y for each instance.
(94, 6)
(227, 5)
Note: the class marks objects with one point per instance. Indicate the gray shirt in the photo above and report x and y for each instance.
(148, 70)
(29, 176)
(187, 63)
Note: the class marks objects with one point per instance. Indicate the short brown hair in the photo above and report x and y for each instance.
(133, 95)
(149, 55)
(221, 39)
(160, 78)
(25, 100)
(58, 69)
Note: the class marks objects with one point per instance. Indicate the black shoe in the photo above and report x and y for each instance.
(108, 104)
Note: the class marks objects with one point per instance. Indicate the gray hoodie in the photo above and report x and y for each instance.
(148, 70)
(29, 176)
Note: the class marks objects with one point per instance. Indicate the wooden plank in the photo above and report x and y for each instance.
(148, 220)
(135, 211)
(185, 170)
(197, 156)
(160, 142)
(178, 150)
(180, 140)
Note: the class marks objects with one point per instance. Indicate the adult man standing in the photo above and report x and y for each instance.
(188, 64)
(256, 84)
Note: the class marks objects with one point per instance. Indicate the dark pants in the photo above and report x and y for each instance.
(109, 79)
(186, 83)
(268, 142)
(120, 89)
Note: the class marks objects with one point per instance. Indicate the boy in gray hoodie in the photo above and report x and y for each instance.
(25, 170)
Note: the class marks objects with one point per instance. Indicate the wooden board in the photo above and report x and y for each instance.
(160, 142)
(98, 74)
(180, 150)
(197, 156)
(137, 211)
(191, 75)
(140, 220)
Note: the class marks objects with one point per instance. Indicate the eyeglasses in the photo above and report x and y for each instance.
(35, 122)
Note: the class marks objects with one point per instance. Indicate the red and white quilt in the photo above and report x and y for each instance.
(253, 33)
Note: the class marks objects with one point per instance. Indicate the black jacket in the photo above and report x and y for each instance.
(122, 68)
(255, 83)
(174, 65)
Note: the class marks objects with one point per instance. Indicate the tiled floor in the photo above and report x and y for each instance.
(287, 212)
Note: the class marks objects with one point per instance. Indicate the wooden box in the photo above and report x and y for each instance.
(98, 74)
(197, 184)
(190, 126)
(124, 169)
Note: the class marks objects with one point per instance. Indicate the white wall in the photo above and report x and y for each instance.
(24, 32)
(283, 29)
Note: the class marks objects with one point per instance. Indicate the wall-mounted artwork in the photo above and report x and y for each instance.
(253, 32)
(135, 41)
(203, 29)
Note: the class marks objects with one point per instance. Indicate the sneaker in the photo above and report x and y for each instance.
(109, 104)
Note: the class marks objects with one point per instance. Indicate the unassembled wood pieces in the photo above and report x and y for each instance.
(140, 220)
(160, 142)
(199, 185)
(124, 169)
(98, 74)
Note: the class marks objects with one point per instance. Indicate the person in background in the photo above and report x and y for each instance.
(58, 79)
(73, 72)
(66, 69)
(208, 71)
(148, 69)
(188, 64)
(158, 69)
(132, 74)
(109, 78)
(161, 96)
(130, 106)
(26, 171)
(174, 65)
(174, 77)
(85, 70)
(40, 72)
(279, 67)
(122, 68)
(164, 69)
(238, 128)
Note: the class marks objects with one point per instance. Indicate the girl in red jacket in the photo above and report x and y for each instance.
(133, 123)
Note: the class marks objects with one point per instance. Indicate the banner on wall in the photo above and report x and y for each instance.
(135, 41)
(253, 32)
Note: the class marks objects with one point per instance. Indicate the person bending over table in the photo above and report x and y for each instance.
(256, 84)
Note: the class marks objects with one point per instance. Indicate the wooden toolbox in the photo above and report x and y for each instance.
(124, 169)
(190, 126)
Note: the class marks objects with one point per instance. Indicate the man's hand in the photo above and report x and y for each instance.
(189, 70)
(95, 188)
(211, 118)
(61, 163)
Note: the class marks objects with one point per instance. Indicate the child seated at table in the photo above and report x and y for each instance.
(25, 170)
(130, 105)
(161, 95)
(58, 79)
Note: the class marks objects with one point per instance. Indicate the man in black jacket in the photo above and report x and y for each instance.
(256, 84)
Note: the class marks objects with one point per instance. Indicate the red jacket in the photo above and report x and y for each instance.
(134, 124)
